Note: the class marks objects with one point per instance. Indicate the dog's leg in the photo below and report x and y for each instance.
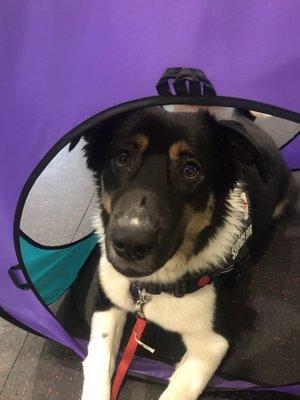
(98, 367)
(205, 351)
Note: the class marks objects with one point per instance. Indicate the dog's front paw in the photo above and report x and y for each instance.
(96, 385)
(99, 390)
(168, 395)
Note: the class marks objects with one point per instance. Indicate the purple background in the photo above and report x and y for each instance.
(63, 61)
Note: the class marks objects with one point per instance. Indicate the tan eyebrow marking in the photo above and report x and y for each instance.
(142, 142)
(197, 222)
(105, 198)
(106, 202)
(179, 147)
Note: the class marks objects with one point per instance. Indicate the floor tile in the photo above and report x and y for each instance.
(44, 371)
(11, 341)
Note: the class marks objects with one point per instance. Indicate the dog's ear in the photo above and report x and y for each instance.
(239, 150)
(98, 138)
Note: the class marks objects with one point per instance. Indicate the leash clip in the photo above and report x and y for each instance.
(143, 298)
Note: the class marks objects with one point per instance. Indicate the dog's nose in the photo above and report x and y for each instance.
(132, 243)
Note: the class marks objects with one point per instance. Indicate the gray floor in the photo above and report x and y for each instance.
(32, 368)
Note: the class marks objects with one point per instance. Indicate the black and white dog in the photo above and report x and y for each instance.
(175, 193)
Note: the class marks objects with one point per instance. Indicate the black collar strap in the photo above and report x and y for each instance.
(186, 285)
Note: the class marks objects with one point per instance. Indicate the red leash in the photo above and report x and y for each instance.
(127, 357)
(135, 337)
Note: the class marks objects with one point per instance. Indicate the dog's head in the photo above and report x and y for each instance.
(160, 176)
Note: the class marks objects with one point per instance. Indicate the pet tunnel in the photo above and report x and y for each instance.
(66, 63)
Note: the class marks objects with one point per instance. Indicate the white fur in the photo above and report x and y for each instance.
(191, 316)
(98, 367)
(115, 285)
(219, 246)
(135, 221)
(205, 351)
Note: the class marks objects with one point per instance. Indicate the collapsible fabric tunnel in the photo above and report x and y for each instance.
(62, 65)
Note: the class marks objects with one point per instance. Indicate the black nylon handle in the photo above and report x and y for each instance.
(163, 85)
(186, 82)
(16, 275)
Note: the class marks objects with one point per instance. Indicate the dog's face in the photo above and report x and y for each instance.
(160, 177)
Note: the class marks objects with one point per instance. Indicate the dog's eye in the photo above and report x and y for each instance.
(122, 159)
(190, 170)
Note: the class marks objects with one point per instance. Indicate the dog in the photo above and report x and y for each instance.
(180, 196)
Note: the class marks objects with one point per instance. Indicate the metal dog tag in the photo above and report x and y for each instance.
(143, 298)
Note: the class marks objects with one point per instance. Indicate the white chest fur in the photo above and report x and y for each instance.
(191, 316)
(184, 315)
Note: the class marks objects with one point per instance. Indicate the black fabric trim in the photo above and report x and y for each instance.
(42, 246)
(114, 111)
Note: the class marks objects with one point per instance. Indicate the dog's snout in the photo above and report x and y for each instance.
(133, 243)
(136, 233)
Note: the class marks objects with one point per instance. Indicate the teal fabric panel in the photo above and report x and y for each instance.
(52, 271)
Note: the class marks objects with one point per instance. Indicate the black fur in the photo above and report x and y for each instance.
(226, 151)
